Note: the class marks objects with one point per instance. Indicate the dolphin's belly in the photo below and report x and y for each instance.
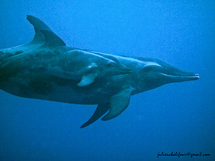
(60, 90)
(59, 94)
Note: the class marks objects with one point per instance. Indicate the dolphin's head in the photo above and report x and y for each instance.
(156, 73)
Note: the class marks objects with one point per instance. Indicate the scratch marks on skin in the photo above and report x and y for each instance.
(18, 52)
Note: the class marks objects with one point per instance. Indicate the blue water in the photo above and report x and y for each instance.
(176, 117)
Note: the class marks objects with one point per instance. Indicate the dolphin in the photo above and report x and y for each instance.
(147, 74)
(55, 59)
(56, 72)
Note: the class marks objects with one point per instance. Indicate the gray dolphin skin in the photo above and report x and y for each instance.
(47, 69)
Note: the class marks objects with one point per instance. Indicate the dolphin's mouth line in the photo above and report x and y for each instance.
(181, 77)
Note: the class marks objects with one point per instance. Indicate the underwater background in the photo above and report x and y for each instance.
(178, 117)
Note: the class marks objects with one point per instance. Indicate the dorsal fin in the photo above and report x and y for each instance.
(52, 39)
(38, 26)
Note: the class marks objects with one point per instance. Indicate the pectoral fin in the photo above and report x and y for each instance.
(87, 79)
(118, 103)
(101, 110)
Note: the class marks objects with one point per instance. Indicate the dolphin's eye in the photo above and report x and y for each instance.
(151, 67)
(147, 69)
(109, 64)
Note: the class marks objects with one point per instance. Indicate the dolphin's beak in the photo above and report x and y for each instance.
(184, 76)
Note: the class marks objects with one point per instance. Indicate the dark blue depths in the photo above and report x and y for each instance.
(176, 117)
